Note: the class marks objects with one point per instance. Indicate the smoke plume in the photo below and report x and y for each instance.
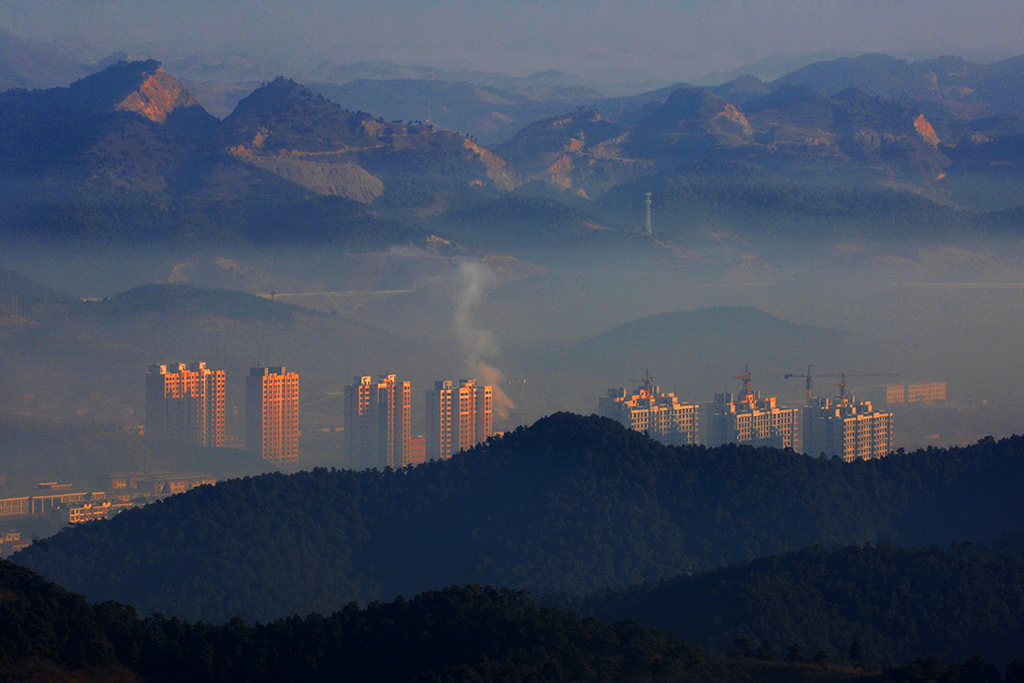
(478, 344)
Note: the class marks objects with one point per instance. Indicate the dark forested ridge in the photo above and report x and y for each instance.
(897, 603)
(572, 504)
(466, 633)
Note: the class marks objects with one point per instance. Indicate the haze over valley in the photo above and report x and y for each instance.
(849, 211)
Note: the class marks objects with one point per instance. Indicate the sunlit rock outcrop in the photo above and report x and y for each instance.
(159, 95)
(499, 172)
(925, 130)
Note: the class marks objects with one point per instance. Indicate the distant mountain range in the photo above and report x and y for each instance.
(792, 133)
(720, 337)
(129, 154)
(131, 146)
(953, 82)
(26, 64)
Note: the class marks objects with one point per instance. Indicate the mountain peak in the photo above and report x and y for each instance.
(694, 103)
(285, 86)
(141, 86)
(698, 111)
(280, 94)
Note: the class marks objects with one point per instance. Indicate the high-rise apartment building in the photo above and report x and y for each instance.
(272, 413)
(378, 421)
(647, 409)
(846, 428)
(185, 403)
(472, 414)
(751, 419)
(438, 426)
(417, 451)
(457, 417)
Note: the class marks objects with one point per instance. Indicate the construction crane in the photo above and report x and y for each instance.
(807, 383)
(841, 383)
(748, 395)
(647, 380)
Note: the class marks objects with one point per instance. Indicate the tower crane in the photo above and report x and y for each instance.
(647, 380)
(842, 379)
(748, 396)
(807, 382)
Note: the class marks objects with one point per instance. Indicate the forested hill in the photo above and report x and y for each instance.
(459, 634)
(572, 504)
(897, 603)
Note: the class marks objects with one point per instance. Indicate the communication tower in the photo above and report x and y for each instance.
(647, 223)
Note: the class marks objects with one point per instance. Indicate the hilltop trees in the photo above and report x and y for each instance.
(572, 505)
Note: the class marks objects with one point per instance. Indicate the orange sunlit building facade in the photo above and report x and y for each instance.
(846, 428)
(752, 419)
(647, 409)
(457, 417)
(185, 403)
(272, 413)
(378, 421)
(921, 392)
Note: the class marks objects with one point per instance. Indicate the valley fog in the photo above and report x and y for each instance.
(692, 239)
(544, 324)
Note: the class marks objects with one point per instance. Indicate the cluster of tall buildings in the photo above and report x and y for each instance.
(840, 426)
(185, 403)
(378, 420)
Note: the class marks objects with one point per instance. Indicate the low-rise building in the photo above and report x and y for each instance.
(157, 483)
(926, 392)
(920, 392)
(11, 542)
(39, 503)
(84, 512)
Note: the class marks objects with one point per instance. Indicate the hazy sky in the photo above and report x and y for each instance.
(597, 38)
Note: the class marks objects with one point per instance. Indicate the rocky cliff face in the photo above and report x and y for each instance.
(330, 179)
(498, 170)
(158, 95)
(306, 139)
(579, 147)
(926, 131)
